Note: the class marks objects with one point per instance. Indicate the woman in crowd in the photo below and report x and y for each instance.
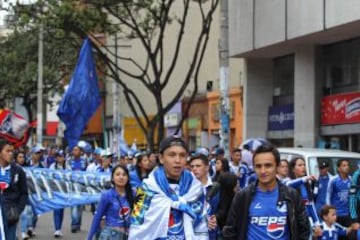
(116, 205)
(221, 165)
(283, 170)
(304, 185)
(229, 185)
(142, 169)
(59, 164)
(20, 159)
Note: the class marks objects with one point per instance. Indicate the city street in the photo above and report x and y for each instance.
(45, 227)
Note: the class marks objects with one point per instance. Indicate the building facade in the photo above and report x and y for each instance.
(208, 74)
(302, 84)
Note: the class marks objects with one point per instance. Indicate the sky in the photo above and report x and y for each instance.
(5, 4)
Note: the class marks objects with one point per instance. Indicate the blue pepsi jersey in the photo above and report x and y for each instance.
(300, 185)
(333, 232)
(78, 164)
(116, 210)
(176, 223)
(267, 217)
(5, 176)
(244, 174)
(322, 185)
(338, 194)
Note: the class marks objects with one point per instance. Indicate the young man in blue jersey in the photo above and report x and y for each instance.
(321, 186)
(338, 194)
(199, 165)
(13, 191)
(266, 209)
(77, 163)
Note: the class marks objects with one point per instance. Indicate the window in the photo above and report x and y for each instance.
(342, 64)
(284, 76)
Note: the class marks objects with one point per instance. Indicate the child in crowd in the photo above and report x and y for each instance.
(330, 229)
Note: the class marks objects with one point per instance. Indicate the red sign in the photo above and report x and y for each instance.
(340, 109)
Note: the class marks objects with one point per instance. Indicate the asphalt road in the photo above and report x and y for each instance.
(45, 227)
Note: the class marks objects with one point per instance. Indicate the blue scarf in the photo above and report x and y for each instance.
(184, 183)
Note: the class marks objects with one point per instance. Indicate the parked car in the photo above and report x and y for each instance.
(314, 156)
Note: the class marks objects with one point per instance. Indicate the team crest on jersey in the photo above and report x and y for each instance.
(282, 207)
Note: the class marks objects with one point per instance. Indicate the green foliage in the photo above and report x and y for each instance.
(19, 64)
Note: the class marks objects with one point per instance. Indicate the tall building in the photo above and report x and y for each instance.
(302, 58)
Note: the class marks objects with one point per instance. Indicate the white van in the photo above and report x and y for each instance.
(314, 156)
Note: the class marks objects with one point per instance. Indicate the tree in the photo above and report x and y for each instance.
(19, 63)
(147, 21)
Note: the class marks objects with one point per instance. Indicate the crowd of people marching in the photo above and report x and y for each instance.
(179, 194)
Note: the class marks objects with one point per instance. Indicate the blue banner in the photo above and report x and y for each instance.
(82, 98)
(281, 117)
(57, 189)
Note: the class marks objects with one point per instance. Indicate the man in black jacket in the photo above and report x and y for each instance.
(266, 209)
(14, 192)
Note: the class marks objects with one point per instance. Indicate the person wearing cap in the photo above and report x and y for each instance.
(59, 164)
(321, 185)
(77, 163)
(28, 216)
(106, 157)
(13, 192)
(51, 158)
(96, 164)
(170, 202)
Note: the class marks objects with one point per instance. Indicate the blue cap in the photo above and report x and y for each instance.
(60, 153)
(98, 150)
(202, 151)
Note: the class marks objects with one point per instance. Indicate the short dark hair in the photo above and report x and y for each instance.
(325, 210)
(268, 148)
(340, 161)
(4, 142)
(202, 157)
(236, 150)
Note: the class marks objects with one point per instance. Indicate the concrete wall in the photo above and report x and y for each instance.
(305, 97)
(257, 96)
(256, 24)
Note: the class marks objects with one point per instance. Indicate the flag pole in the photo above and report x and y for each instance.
(103, 127)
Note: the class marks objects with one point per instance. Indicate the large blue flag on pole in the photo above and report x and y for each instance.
(82, 97)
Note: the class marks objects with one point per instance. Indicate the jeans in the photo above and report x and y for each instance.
(110, 234)
(11, 232)
(58, 218)
(76, 213)
(27, 219)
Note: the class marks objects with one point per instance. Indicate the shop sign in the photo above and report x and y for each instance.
(171, 119)
(281, 117)
(340, 109)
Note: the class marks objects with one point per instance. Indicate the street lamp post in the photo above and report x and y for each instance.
(224, 78)
(39, 127)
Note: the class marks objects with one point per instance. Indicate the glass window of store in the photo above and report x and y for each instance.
(283, 92)
(341, 66)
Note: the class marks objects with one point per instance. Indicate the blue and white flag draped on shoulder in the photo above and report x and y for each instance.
(82, 98)
(154, 201)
